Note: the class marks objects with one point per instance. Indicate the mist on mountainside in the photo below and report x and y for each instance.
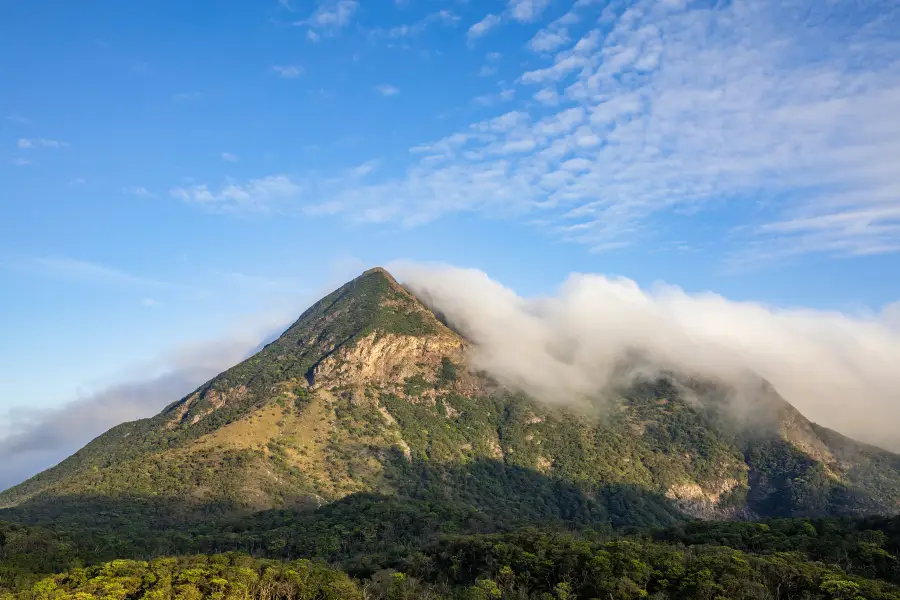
(840, 371)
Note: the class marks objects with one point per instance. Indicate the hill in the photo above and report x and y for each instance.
(370, 392)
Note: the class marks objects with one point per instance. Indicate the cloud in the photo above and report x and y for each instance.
(505, 95)
(329, 18)
(26, 143)
(838, 369)
(229, 157)
(265, 194)
(78, 181)
(82, 270)
(18, 119)
(549, 40)
(482, 27)
(386, 89)
(547, 96)
(138, 190)
(444, 17)
(487, 70)
(21, 162)
(32, 440)
(526, 11)
(288, 71)
(687, 108)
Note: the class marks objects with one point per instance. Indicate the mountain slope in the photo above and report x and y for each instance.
(370, 392)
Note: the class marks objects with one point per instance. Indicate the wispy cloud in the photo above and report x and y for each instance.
(490, 66)
(526, 11)
(138, 190)
(504, 95)
(549, 40)
(21, 162)
(442, 17)
(386, 89)
(229, 157)
(266, 194)
(18, 119)
(547, 96)
(30, 143)
(330, 17)
(78, 181)
(32, 439)
(482, 27)
(668, 107)
(81, 270)
(287, 71)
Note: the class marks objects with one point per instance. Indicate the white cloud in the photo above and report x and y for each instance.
(482, 27)
(18, 119)
(32, 440)
(91, 272)
(549, 41)
(444, 17)
(838, 369)
(487, 70)
(330, 17)
(788, 113)
(29, 143)
(287, 71)
(690, 106)
(20, 162)
(78, 181)
(138, 190)
(505, 95)
(229, 157)
(385, 89)
(547, 96)
(526, 11)
(274, 193)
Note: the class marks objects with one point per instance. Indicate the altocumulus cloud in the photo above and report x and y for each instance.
(648, 108)
(838, 369)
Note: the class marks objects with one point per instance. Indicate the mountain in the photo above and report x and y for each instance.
(369, 392)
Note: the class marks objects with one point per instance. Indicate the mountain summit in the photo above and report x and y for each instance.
(370, 392)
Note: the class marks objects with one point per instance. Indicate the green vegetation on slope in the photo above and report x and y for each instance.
(372, 302)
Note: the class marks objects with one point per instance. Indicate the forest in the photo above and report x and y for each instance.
(379, 548)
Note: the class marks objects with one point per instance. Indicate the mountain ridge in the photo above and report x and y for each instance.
(369, 390)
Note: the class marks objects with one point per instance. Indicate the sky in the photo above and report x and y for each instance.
(180, 179)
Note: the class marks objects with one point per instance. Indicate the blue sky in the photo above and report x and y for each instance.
(173, 172)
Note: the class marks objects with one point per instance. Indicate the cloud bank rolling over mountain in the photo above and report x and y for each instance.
(839, 370)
